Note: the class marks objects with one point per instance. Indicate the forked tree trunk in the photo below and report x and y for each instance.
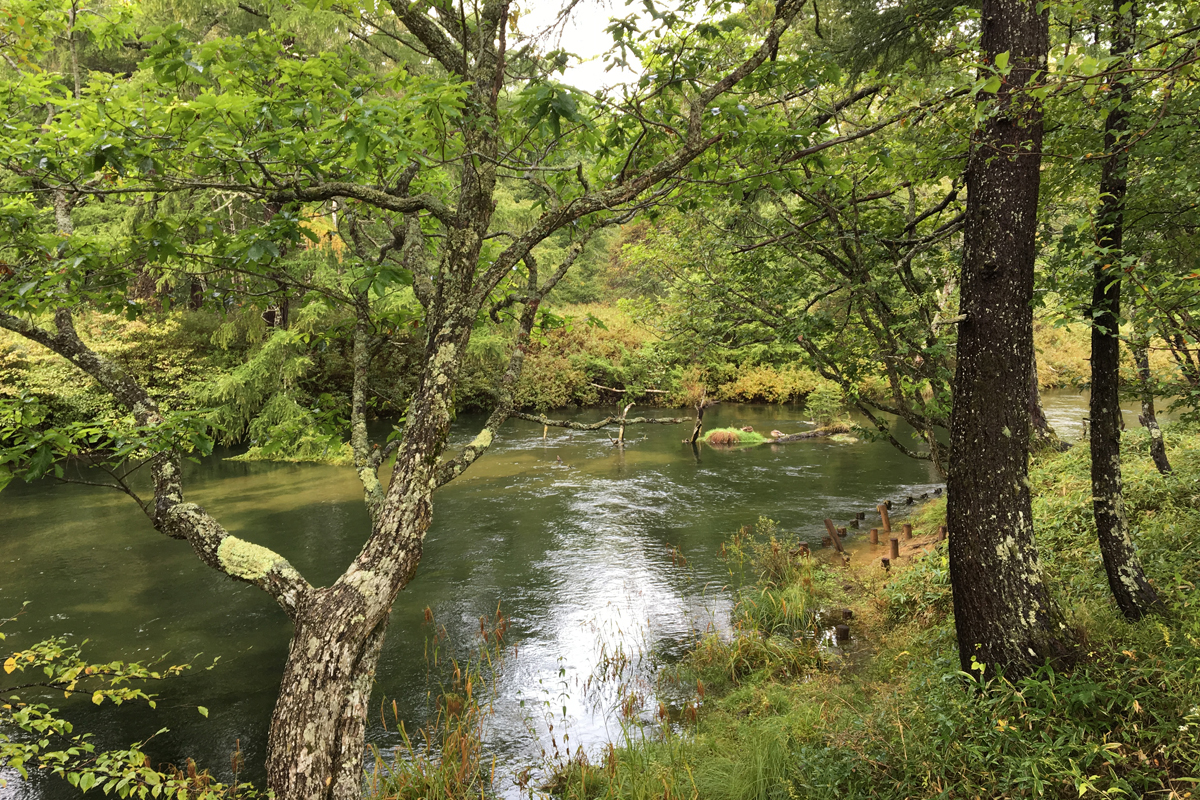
(317, 736)
(1126, 579)
(1004, 616)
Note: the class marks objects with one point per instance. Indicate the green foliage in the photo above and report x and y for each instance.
(35, 737)
(824, 404)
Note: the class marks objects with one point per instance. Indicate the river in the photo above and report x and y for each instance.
(583, 558)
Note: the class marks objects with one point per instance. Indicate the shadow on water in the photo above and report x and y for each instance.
(582, 556)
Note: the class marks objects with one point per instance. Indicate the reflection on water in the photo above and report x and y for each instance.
(1067, 409)
(582, 558)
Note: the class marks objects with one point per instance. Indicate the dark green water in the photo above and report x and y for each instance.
(579, 557)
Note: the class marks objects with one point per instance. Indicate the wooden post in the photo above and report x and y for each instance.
(700, 415)
(621, 434)
(842, 532)
(887, 523)
(833, 535)
(941, 533)
(842, 632)
(895, 543)
(874, 535)
(854, 524)
(861, 515)
(907, 531)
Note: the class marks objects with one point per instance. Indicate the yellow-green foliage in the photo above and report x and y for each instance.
(597, 347)
(1063, 353)
(763, 383)
(171, 352)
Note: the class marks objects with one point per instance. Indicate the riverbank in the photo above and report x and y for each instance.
(586, 355)
(772, 712)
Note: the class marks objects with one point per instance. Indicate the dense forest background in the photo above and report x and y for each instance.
(273, 224)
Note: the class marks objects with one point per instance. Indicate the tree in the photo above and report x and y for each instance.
(1134, 594)
(415, 161)
(1004, 616)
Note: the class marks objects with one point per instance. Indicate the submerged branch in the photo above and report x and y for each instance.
(595, 426)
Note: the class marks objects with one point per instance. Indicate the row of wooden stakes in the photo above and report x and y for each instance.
(836, 534)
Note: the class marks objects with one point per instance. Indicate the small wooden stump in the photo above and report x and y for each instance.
(842, 532)
(941, 535)
(842, 632)
(847, 615)
(883, 513)
(854, 524)
(861, 515)
(887, 564)
(895, 548)
(907, 531)
(874, 535)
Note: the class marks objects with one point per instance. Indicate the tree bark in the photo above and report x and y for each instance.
(1005, 618)
(1126, 579)
(1148, 419)
(316, 738)
(1043, 434)
(316, 741)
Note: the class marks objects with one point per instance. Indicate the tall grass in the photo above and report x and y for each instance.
(762, 713)
(445, 758)
(770, 723)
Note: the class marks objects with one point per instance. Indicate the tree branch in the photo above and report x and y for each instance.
(170, 515)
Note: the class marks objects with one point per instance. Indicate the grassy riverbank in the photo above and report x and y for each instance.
(894, 717)
(766, 713)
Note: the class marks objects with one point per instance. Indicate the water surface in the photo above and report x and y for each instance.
(583, 557)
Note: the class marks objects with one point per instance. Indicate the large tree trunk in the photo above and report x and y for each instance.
(317, 736)
(1134, 594)
(1004, 616)
(318, 731)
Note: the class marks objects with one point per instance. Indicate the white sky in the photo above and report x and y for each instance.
(584, 35)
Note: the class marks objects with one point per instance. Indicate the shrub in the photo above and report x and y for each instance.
(767, 384)
(824, 404)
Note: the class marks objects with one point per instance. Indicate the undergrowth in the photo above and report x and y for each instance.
(777, 719)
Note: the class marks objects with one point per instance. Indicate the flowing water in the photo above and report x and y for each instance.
(583, 558)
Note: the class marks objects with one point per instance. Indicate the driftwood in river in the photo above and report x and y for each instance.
(817, 433)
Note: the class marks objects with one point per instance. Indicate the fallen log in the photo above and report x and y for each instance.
(831, 430)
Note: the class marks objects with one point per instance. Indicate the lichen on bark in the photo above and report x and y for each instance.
(246, 560)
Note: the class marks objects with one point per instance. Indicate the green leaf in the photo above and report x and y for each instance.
(203, 711)
(1002, 62)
